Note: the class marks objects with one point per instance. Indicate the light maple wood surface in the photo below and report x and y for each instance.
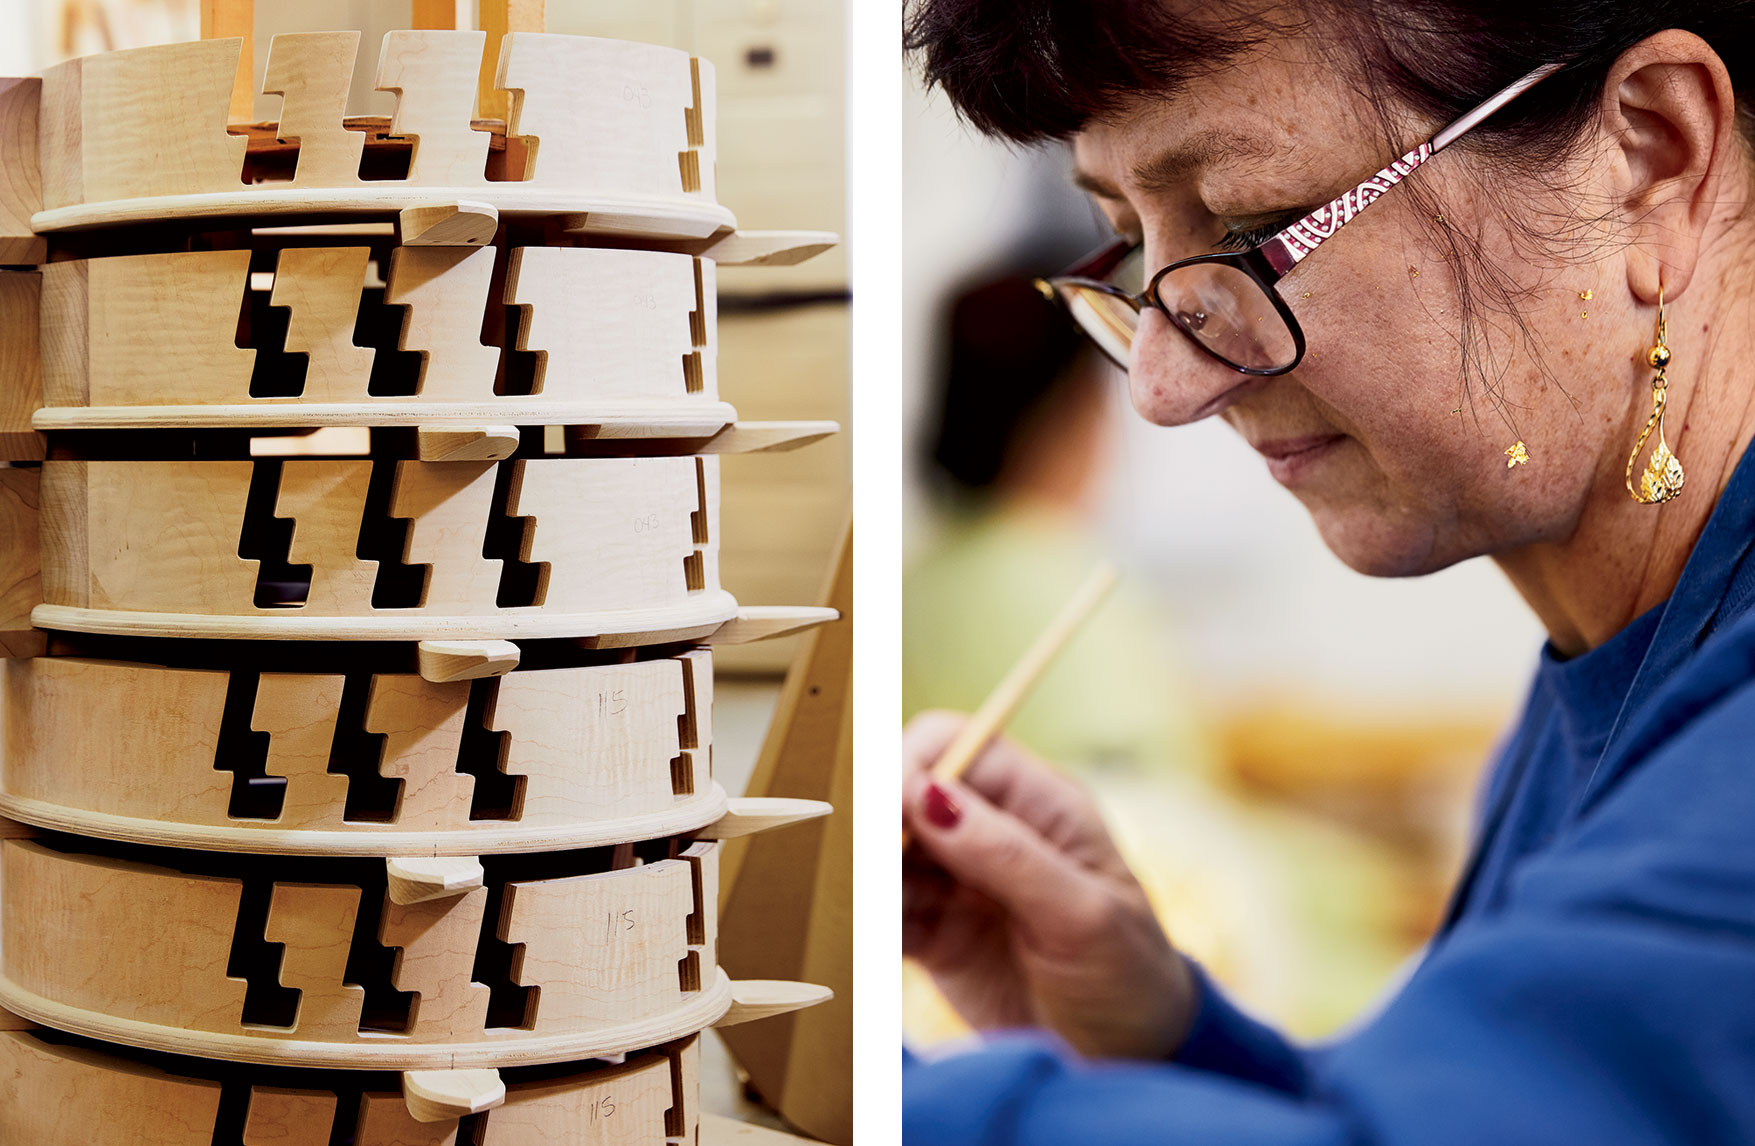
(611, 961)
(624, 545)
(21, 367)
(57, 1093)
(617, 137)
(21, 184)
(138, 752)
(618, 335)
(21, 583)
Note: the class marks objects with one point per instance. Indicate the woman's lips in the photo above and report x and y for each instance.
(1289, 459)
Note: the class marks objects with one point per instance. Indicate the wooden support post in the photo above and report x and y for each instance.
(221, 19)
(499, 17)
(439, 15)
(802, 1065)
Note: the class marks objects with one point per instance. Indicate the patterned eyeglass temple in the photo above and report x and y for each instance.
(1292, 245)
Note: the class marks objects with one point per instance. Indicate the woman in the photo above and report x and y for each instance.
(1537, 348)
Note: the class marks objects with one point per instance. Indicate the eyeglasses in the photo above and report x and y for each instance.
(1228, 302)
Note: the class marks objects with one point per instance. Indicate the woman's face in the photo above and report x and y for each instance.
(1401, 463)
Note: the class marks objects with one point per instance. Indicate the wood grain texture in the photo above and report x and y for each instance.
(625, 1105)
(281, 1117)
(98, 148)
(633, 535)
(446, 292)
(163, 958)
(603, 113)
(612, 324)
(629, 547)
(144, 961)
(315, 923)
(128, 331)
(424, 69)
(21, 579)
(465, 223)
(385, 1121)
(141, 123)
(60, 1096)
(438, 1095)
(604, 948)
(442, 661)
(466, 443)
(619, 335)
(420, 879)
(63, 1095)
(21, 181)
(604, 753)
(312, 72)
(320, 287)
(21, 365)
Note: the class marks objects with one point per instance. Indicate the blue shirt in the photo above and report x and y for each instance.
(1594, 981)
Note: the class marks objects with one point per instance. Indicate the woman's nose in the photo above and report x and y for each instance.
(1171, 380)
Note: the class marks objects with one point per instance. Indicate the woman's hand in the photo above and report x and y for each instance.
(1016, 901)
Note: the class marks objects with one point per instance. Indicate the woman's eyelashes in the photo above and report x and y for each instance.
(1243, 238)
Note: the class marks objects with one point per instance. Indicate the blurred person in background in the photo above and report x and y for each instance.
(1023, 433)
(1521, 354)
(1022, 447)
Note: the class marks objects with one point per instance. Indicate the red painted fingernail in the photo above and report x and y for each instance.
(942, 809)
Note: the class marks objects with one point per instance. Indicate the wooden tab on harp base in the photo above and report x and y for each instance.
(435, 1095)
(767, 437)
(460, 224)
(417, 879)
(764, 622)
(753, 999)
(442, 661)
(466, 443)
(747, 815)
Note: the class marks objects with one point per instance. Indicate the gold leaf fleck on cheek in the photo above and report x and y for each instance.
(1587, 295)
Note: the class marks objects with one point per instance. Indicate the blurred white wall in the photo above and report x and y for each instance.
(1260, 605)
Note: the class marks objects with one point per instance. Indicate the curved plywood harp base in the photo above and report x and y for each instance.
(702, 1011)
(60, 1091)
(700, 618)
(699, 420)
(688, 816)
(632, 216)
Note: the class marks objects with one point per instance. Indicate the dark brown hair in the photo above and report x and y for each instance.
(1030, 70)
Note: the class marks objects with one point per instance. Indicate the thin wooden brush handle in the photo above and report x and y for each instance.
(1003, 701)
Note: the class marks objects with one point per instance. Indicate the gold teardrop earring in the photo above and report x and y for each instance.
(1662, 479)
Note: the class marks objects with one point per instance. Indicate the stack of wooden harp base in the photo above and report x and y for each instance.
(358, 584)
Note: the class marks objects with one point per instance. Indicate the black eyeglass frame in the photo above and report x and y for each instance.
(1089, 271)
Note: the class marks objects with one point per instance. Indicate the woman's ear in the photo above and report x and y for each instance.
(1670, 116)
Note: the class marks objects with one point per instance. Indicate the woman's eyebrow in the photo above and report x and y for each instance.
(1175, 165)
